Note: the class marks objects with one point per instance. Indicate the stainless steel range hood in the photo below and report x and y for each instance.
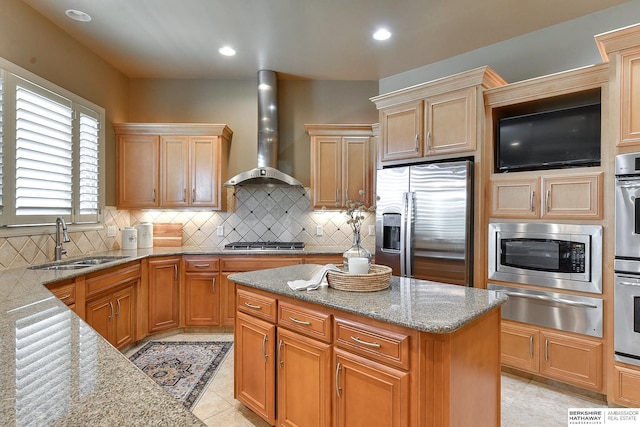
(267, 172)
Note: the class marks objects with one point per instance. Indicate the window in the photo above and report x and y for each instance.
(51, 152)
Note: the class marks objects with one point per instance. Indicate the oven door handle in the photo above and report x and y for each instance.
(549, 299)
(628, 283)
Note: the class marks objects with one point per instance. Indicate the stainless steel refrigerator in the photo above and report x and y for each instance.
(424, 221)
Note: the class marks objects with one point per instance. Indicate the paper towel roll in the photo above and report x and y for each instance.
(145, 235)
(129, 238)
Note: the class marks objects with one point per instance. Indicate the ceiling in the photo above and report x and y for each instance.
(311, 39)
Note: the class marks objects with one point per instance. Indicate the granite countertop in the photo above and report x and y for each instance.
(57, 370)
(418, 304)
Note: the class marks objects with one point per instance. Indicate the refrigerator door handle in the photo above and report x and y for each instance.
(409, 200)
(403, 234)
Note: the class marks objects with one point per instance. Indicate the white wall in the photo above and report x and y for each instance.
(553, 49)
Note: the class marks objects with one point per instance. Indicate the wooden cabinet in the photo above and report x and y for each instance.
(626, 386)
(171, 165)
(65, 291)
(401, 131)
(434, 118)
(137, 171)
(164, 293)
(341, 164)
(201, 290)
(111, 301)
(549, 196)
(568, 358)
(621, 48)
(254, 352)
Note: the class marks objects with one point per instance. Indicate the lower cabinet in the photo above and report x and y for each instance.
(164, 293)
(65, 291)
(201, 291)
(568, 358)
(626, 386)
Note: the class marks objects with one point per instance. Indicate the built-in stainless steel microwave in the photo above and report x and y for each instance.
(561, 256)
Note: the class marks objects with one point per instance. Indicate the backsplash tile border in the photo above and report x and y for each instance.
(254, 213)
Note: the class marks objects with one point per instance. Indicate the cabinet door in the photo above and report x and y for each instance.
(514, 198)
(451, 122)
(367, 393)
(356, 170)
(164, 303)
(571, 359)
(205, 171)
(254, 364)
(174, 167)
(326, 179)
(630, 96)
(572, 196)
(519, 347)
(626, 386)
(202, 299)
(137, 171)
(400, 132)
(123, 318)
(304, 381)
(99, 315)
(227, 300)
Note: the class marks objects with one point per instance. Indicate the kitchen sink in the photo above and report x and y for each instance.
(77, 263)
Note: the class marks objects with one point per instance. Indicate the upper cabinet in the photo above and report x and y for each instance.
(621, 48)
(341, 164)
(435, 118)
(171, 165)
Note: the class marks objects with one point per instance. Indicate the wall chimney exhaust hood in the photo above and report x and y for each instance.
(267, 173)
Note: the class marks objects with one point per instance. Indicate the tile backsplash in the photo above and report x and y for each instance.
(254, 214)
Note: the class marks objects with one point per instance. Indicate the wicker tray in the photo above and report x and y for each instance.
(376, 280)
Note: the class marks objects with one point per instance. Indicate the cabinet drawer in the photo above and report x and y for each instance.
(201, 264)
(256, 305)
(65, 291)
(379, 344)
(308, 322)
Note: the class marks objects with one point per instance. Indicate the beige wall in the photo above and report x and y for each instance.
(234, 102)
(35, 44)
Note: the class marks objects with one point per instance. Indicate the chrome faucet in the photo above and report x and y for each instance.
(61, 225)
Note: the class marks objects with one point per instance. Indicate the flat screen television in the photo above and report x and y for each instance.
(567, 137)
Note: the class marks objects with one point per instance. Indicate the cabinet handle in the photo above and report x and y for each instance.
(280, 361)
(548, 201)
(118, 310)
(62, 298)
(213, 285)
(111, 315)
(184, 195)
(255, 307)
(264, 348)
(175, 271)
(201, 265)
(369, 344)
(530, 346)
(300, 322)
(533, 197)
(193, 195)
(338, 389)
(417, 141)
(153, 195)
(546, 350)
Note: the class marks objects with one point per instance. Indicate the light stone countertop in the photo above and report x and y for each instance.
(417, 304)
(56, 370)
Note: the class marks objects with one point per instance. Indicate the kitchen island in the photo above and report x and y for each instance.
(419, 353)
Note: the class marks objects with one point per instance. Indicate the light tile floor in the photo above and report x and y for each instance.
(525, 402)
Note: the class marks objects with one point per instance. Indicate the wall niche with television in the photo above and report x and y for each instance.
(550, 133)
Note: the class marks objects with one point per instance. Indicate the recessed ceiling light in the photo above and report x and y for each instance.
(227, 51)
(78, 15)
(381, 34)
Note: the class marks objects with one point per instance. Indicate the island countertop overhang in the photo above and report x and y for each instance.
(417, 304)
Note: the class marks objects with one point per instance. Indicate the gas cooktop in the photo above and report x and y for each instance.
(278, 246)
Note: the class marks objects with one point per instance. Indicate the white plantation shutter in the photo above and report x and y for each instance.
(44, 155)
(89, 166)
(2, 195)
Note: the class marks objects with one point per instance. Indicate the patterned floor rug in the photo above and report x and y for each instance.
(182, 368)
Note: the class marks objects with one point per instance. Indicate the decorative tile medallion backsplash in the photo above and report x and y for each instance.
(254, 214)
